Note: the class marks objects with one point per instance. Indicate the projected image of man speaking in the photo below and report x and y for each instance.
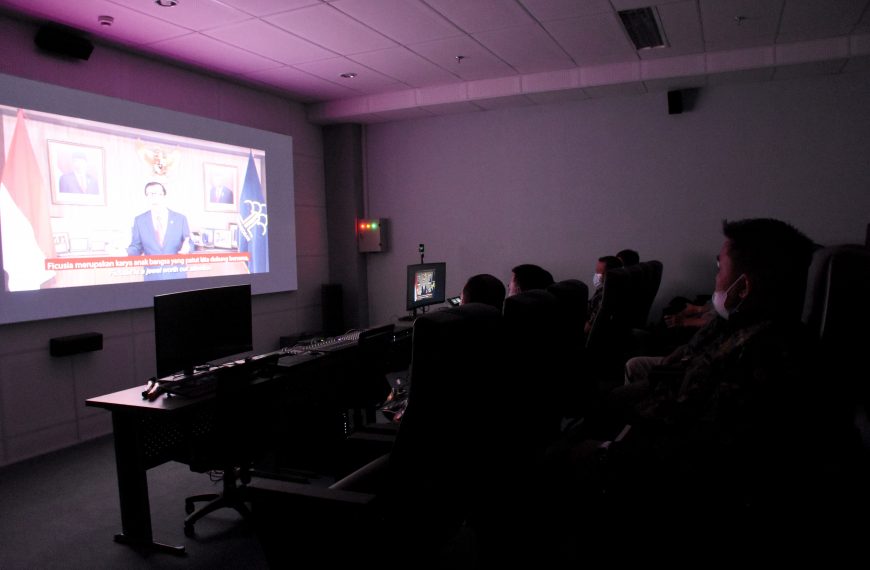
(160, 231)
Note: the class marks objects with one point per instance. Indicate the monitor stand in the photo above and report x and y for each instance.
(409, 318)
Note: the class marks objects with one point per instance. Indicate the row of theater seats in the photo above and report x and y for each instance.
(488, 393)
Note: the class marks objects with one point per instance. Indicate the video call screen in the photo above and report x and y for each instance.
(88, 203)
(105, 203)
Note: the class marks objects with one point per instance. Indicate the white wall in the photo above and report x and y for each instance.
(42, 398)
(561, 185)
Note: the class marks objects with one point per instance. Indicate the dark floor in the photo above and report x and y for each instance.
(61, 511)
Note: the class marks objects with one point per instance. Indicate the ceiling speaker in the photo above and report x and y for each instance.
(63, 42)
(675, 102)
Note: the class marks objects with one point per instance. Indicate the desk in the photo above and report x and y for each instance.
(150, 433)
(147, 434)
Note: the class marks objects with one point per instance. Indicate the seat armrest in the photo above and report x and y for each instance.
(261, 489)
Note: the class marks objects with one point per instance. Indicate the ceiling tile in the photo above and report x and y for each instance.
(269, 41)
(406, 66)
(482, 15)
(527, 48)
(682, 27)
(593, 40)
(740, 23)
(811, 19)
(212, 54)
(329, 28)
(309, 87)
(266, 7)
(199, 15)
(559, 9)
(477, 62)
(406, 21)
(366, 80)
(634, 4)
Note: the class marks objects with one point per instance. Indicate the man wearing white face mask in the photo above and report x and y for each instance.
(727, 417)
(602, 266)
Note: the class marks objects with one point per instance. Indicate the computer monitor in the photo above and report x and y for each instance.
(192, 328)
(426, 284)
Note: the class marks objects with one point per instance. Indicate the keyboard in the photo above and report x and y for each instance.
(333, 343)
(193, 388)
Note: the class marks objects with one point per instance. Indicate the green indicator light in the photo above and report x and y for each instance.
(374, 226)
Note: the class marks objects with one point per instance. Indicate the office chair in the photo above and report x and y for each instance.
(610, 337)
(230, 446)
(366, 384)
(538, 348)
(837, 310)
(404, 506)
(572, 296)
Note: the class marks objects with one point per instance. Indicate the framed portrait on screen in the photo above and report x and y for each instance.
(77, 173)
(220, 182)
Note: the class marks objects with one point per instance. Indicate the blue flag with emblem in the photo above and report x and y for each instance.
(254, 221)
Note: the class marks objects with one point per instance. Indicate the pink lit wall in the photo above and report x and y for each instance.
(563, 184)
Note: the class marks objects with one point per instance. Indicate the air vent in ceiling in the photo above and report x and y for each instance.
(644, 28)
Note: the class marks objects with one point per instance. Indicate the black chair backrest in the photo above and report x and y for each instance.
(837, 307)
(652, 279)
(367, 383)
(612, 322)
(437, 456)
(576, 389)
(532, 329)
(573, 298)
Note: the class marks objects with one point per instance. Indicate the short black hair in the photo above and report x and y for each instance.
(484, 288)
(776, 254)
(610, 261)
(150, 184)
(628, 257)
(529, 277)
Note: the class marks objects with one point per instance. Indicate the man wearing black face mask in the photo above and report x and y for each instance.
(724, 421)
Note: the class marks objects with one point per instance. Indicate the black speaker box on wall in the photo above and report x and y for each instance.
(63, 42)
(332, 303)
(675, 102)
(75, 344)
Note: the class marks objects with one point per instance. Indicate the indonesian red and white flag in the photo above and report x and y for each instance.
(25, 227)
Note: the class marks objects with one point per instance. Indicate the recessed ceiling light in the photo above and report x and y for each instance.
(166, 3)
(105, 20)
(349, 75)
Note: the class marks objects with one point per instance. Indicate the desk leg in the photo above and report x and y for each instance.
(133, 486)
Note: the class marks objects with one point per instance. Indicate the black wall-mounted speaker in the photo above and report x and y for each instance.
(59, 41)
(675, 102)
(332, 305)
(75, 344)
